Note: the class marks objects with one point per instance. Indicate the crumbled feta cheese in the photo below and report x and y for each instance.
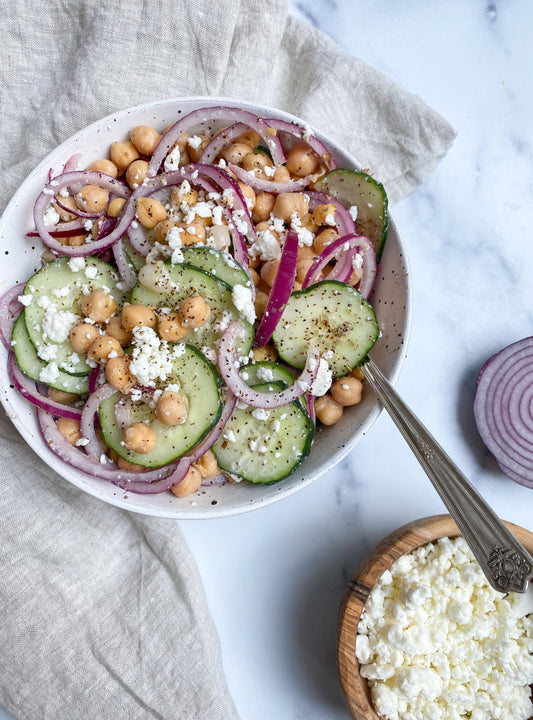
(91, 272)
(61, 292)
(172, 160)
(76, 264)
(266, 247)
(436, 641)
(322, 382)
(265, 373)
(243, 301)
(50, 373)
(47, 352)
(51, 216)
(260, 414)
(152, 358)
(330, 220)
(25, 299)
(195, 141)
(56, 324)
(353, 212)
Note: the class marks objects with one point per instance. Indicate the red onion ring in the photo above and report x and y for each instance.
(127, 273)
(94, 448)
(307, 137)
(281, 289)
(10, 308)
(503, 409)
(204, 115)
(27, 389)
(269, 185)
(220, 140)
(343, 220)
(76, 211)
(228, 362)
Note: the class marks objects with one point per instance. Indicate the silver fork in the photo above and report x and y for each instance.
(506, 563)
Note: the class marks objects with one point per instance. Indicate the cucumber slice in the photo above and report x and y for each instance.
(264, 446)
(199, 386)
(185, 281)
(332, 315)
(216, 263)
(350, 187)
(32, 366)
(56, 293)
(265, 371)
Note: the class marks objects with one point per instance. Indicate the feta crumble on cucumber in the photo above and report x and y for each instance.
(205, 303)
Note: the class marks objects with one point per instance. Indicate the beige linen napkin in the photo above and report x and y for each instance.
(102, 612)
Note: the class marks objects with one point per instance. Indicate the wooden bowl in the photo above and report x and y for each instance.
(404, 540)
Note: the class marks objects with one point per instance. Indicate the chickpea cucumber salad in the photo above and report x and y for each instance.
(202, 304)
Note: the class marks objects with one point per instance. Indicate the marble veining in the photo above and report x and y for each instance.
(275, 578)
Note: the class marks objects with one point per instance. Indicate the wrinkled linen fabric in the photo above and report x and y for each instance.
(102, 612)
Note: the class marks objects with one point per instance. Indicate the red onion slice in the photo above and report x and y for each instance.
(10, 308)
(94, 448)
(281, 289)
(344, 223)
(204, 116)
(228, 362)
(270, 186)
(503, 409)
(306, 136)
(27, 389)
(126, 271)
(220, 140)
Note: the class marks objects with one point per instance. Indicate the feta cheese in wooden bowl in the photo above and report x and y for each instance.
(423, 635)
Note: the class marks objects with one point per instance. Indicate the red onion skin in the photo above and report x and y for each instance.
(10, 308)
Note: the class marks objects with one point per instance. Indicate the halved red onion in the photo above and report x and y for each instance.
(117, 187)
(269, 185)
(203, 116)
(126, 271)
(503, 409)
(228, 362)
(306, 136)
(10, 308)
(281, 289)
(346, 249)
(28, 390)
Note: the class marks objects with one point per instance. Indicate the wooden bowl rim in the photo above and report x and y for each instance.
(403, 540)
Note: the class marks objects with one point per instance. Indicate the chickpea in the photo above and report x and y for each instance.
(139, 437)
(257, 161)
(124, 464)
(114, 329)
(327, 410)
(194, 312)
(263, 206)
(269, 271)
(61, 397)
(347, 391)
(194, 233)
(302, 268)
(170, 328)
(190, 483)
(66, 202)
(261, 300)
(266, 352)
(117, 373)
(150, 212)
(306, 251)
(98, 305)
(324, 238)
(251, 138)
(92, 198)
(248, 193)
(321, 213)
(75, 240)
(288, 203)
(178, 197)
(70, 429)
(171, 408)
(308, 223)
(301, 160)
(207, 465)
(104, 346)
(115, 207)
(235, 152)
(136, 173)
(195, 150)
(137, 316)
(255, 277)
(104, 166)
(145, 139)
(122, 154)
(358, 373)
(281, 174)
(162, 229)
(82, 336)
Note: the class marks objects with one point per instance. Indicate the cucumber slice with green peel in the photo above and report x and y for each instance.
(351, 187)
(216, 263)
(264, 446)
(199, 384)
(334, 317)
(182, 281)
(32, 366)
(56, 293)
(265, 371)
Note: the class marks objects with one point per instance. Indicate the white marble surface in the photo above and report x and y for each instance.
(275, 578)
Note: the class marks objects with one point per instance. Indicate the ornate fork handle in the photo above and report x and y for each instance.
(506, 563)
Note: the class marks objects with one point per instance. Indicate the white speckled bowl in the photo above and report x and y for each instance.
(391, 299)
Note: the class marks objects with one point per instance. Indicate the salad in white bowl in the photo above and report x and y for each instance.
(207, 278)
